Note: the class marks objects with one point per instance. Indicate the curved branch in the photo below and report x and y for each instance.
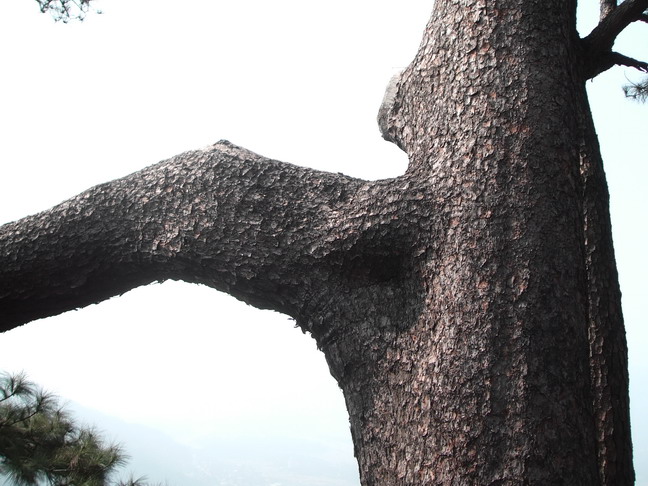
(223, 216)
(597, 46)
(605, 33)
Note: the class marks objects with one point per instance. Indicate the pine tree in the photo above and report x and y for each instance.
(40, 443)
(469, 309)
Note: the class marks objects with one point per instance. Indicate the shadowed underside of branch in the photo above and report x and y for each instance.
(267, 232)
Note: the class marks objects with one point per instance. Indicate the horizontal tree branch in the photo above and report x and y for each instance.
(609, 59)
(256, 228)
(622, 60)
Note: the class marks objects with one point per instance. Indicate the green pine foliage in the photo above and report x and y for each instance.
(40, 443)
(637, 91)
(65, 10)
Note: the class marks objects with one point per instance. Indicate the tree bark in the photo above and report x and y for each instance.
(469, 309)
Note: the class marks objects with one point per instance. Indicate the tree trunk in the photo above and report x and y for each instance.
(469, 309)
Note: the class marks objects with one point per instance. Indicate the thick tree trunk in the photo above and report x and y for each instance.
(490, 382)
(469, 309)
(608, 348)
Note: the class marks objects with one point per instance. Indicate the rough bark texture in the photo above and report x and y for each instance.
(608, 349)
(469, 309)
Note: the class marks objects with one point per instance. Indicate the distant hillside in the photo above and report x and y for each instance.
(226, 461)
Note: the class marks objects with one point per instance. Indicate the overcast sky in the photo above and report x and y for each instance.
(298, 81)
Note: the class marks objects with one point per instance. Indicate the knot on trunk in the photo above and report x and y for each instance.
(389, 110)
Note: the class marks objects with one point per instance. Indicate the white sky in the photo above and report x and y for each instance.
(81, 104)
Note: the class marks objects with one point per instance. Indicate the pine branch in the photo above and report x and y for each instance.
(47, 446)
(42, 404)
(602, 38)
(65, 10)
(597, 46)
(637, 91)
(15, 385)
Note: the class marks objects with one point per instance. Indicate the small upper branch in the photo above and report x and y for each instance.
(598, 44)
(605, 33)
(606, 7)
(223, 216)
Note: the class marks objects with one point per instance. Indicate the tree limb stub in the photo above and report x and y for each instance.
(388, 121)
